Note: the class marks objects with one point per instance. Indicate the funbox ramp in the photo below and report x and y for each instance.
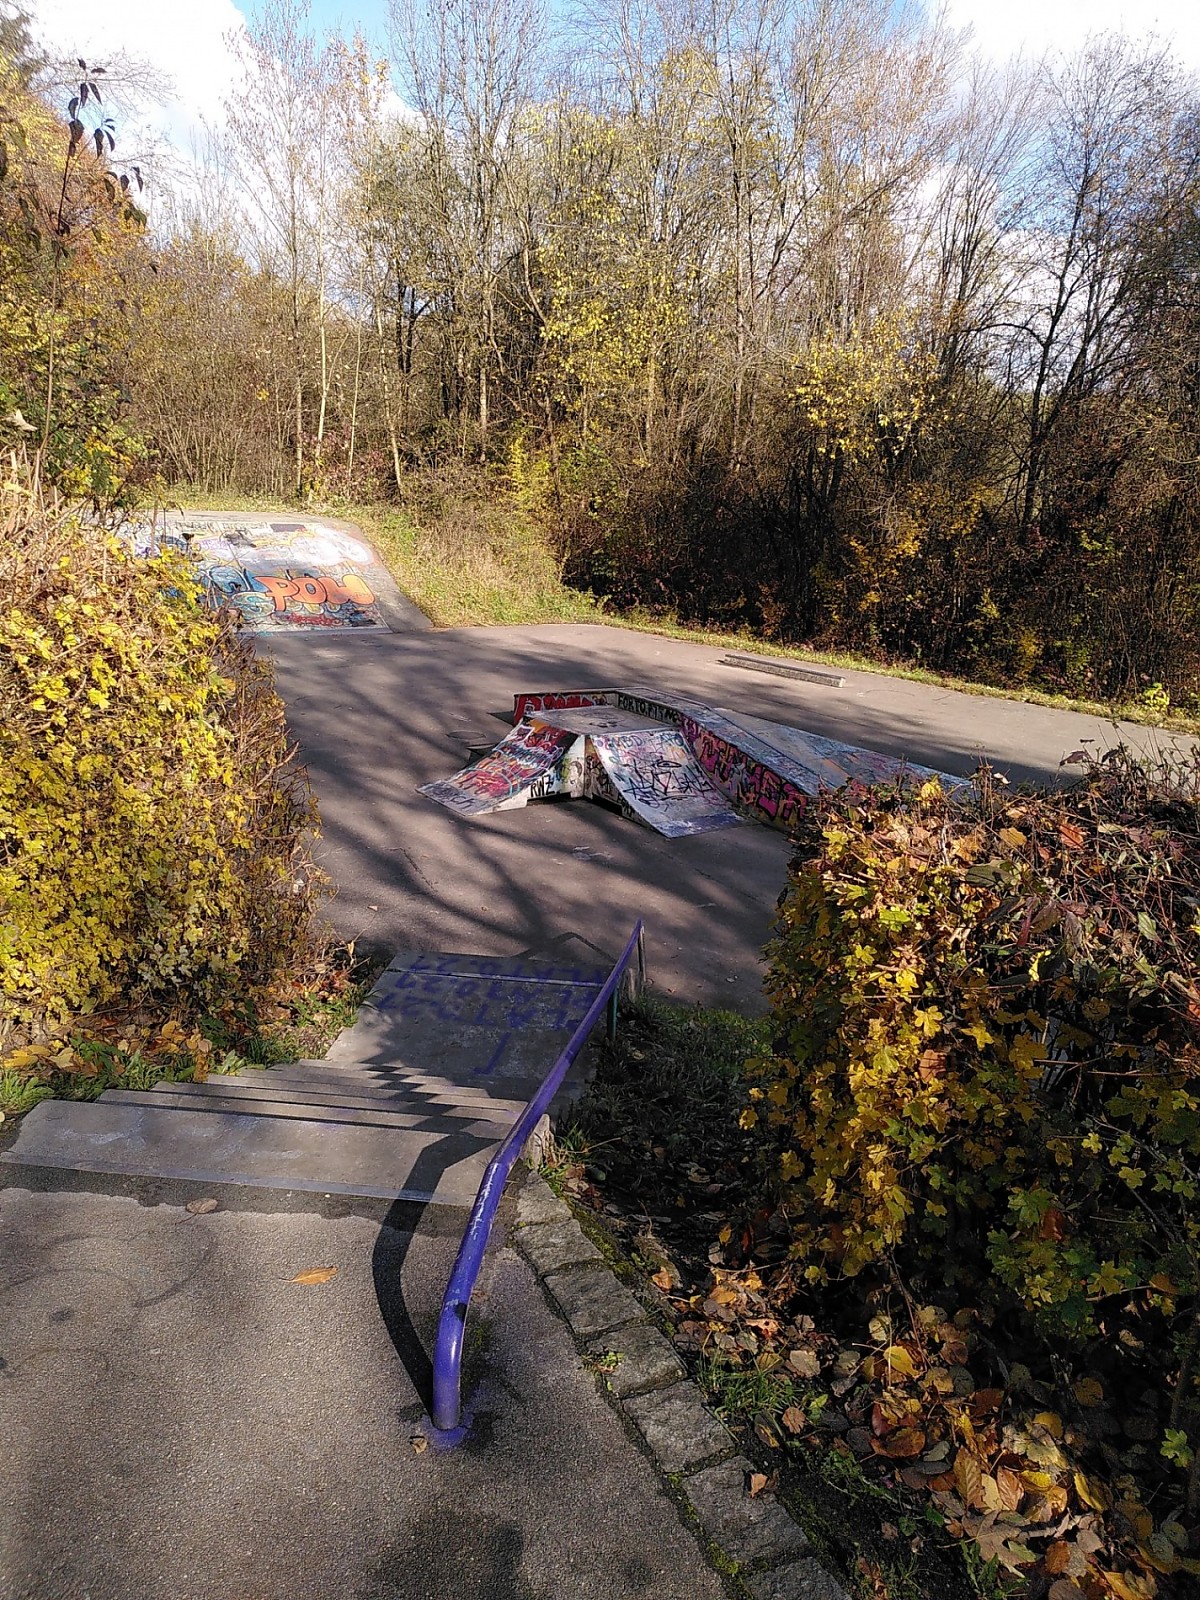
(595, 751)
(676, 764)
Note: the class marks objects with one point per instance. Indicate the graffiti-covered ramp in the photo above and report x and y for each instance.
(676, 764)
(598, 752)
(295, 574)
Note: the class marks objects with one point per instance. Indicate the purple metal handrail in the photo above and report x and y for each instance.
(452, 1324)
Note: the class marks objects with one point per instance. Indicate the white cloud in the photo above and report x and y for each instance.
(1032, 27)
(183, 40)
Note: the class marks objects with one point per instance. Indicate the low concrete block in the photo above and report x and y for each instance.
(592, 1300)
(784, 669)
(537, 1202)
(800, 1580)
(645, 1360)
(551, 1246)
(747, 1528)
(679, 1428)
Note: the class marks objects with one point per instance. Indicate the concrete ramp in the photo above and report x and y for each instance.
(532, 763)
(669, 761)
(657, 780)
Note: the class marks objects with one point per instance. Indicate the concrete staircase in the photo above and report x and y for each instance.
(410, 1103)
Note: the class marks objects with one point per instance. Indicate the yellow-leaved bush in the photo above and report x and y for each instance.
(153, 825)
(986, 1067)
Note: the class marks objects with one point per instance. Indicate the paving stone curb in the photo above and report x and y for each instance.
(648, 1383)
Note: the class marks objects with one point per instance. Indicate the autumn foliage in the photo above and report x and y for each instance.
(152, 824)
(984, 1088)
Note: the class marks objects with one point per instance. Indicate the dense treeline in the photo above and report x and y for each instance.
(785, 314)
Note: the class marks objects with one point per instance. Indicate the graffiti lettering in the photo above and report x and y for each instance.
(311, 589)
(524, 705)
(532, 753)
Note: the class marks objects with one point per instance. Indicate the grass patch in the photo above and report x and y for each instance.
(628, 1130)
(469, 556)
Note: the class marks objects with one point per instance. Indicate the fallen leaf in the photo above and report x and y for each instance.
(804, 1362)
(901, 1445)
(985, 1401)
(1092, 1492)
(1051, 1421)
(1088, 1391)
(1012, 1490)
(315, 1275)
(663, 1280)
(993, 1500)
(899, 1361)
(968, 1476)
(1048, 1506)
(758, 1482)
(419, 1443)
(1058, 1557)
(201, 1208)
(1128, 1586)
(766, 1433)
(794, 1420)
(1065, 1589)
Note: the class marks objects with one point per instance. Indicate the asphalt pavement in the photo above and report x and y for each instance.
(376, 714)
(183, 1421)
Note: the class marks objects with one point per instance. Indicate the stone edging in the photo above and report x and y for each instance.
(649, 1384)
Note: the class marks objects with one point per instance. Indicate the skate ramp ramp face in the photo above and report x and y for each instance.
(298, 574)
(672, 763)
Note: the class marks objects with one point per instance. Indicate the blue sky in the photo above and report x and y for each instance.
(185, 39)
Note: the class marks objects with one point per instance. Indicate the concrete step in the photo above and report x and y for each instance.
(494, 1058)
(173, 1097)
(421, 1090)
(353, 1096)
(261, 1152)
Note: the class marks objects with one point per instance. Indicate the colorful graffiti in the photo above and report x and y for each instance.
(687, 768)
(657, 780)
(528, 705)
(750, 784)
(274, 574)
(531, 754)
(291, 598)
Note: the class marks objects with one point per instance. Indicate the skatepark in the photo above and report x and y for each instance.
(246, 1434)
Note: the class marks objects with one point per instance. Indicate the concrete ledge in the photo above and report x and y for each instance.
(749, 1528)
(550, 1246)
(802, 1580)
(644, 1360)
(784, 669)
(679, 1428)
(537, 1202)
(591, 1299)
